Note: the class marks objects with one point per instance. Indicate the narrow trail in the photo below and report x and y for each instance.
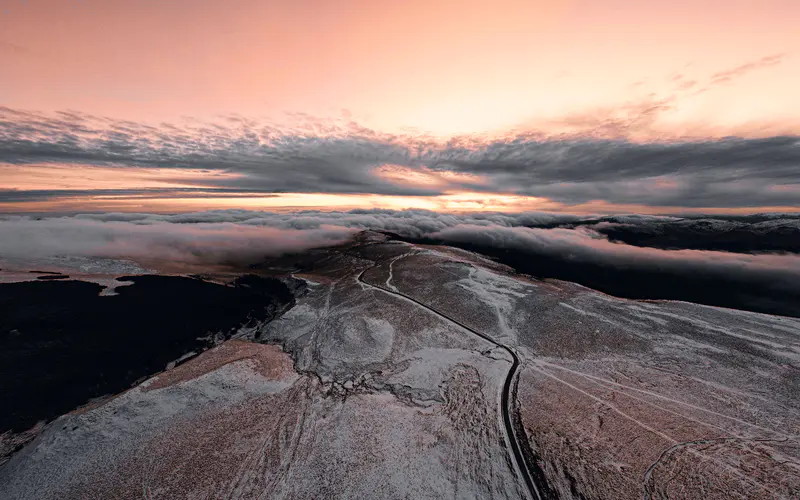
(505, 398)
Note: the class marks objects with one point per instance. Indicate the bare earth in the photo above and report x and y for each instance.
(359, 392)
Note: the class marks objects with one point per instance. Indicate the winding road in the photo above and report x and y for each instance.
(505, 398)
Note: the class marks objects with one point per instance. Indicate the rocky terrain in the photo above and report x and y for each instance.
(413, 371)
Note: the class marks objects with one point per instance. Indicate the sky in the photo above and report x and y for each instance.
(505, 105)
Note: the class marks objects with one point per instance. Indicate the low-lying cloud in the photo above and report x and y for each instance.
(216, 235)
(548, 245)
(588, 247)
(157, 243)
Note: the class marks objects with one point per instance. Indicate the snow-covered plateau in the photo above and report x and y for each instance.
(411, 371)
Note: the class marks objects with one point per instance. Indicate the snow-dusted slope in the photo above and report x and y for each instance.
(635, 399)
(358, 391)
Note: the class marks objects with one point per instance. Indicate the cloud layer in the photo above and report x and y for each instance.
(347, 158)
(544, 244)
(157, 243)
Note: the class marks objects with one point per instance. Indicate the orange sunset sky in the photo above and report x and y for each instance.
(411, 73)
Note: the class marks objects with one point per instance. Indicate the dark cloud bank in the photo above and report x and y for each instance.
(571, 169)
(750, 263)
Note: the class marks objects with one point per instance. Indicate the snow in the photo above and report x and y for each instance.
(375, 396)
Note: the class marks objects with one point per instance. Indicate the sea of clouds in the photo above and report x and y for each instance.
(241, 236)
